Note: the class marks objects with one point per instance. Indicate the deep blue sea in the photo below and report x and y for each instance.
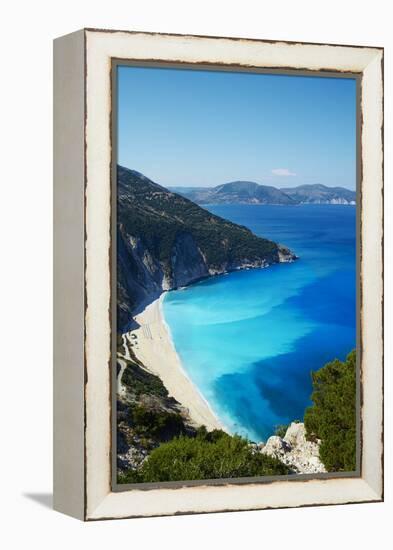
(250, 339)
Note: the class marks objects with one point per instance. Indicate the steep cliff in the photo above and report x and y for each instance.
(165, 241)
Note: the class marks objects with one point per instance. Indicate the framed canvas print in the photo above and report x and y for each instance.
(218, 274)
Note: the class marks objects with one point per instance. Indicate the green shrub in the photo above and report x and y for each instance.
(214, 455)
(156, 424)
(332, 417)
(139, 381)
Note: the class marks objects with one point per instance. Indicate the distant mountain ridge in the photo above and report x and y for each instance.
(320, 194)
(249, 192)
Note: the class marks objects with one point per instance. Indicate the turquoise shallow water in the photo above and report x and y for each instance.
(250, 339)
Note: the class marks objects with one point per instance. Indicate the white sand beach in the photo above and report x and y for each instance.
(154, 347)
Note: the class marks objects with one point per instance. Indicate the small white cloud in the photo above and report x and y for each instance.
(282, 172)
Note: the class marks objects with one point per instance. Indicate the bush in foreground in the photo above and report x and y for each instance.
(210, 455)
(332, 417)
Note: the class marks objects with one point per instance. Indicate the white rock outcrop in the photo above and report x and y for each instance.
(295, 451)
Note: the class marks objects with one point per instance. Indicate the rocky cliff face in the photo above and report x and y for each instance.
(165, 241)
(295, 451)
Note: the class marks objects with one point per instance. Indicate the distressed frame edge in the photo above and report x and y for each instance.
(372, 143)
(375, 495)
(236, 38)
(369, 497)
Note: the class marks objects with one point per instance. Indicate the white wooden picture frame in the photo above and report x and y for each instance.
(83, 255)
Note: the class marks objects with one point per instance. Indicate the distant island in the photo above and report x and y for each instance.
(249, 192)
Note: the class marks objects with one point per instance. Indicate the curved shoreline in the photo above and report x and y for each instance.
(153, 346)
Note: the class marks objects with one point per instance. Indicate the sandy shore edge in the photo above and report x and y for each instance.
(153, 346)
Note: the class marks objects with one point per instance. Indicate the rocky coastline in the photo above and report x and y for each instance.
(294, 450)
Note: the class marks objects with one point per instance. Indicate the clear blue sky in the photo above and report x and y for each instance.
(203, 128)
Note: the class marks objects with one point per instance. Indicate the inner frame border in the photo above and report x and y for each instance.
(235, 68)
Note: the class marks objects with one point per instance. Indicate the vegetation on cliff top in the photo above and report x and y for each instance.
(209, 455)
(139, 381)
(158, 216)
(332, 417)
(146, 414)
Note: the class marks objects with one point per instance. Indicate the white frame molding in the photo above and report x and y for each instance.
(82, 472)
